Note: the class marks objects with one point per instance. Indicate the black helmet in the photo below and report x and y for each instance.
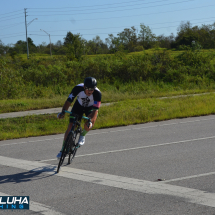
(90, 82)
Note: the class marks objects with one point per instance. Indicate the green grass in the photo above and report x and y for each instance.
(119, 114)
(14, 105)
(110, 93)
(173, 53)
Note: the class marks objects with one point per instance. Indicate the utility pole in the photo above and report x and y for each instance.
(49, 40)
(26, 26)
(26, 33)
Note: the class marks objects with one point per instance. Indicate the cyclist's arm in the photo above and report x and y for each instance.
(97, 99)
(96, 107)
(94, 115)
(71, 97)
(66, 106)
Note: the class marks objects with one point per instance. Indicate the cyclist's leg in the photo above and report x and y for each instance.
(89, 112)
(68, 130)
(76, 109)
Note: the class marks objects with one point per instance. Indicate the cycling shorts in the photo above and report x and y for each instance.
(80, 110)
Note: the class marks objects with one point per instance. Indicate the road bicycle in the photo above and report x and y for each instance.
(71, 144)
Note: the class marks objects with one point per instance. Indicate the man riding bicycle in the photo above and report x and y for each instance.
(88, 103)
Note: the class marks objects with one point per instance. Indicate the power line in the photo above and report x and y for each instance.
(118, 10)
(14, 36)
(10, 12)
(11, 26)
(115, 32)
(89, 6)
(131, 15)
(148, 24)
(21, 34)
(102, 8)
(128, 26)
(12, 18)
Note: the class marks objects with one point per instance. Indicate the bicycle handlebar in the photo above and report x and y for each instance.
(82, 116)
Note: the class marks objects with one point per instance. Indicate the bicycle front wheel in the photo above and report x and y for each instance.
(71, 147)
(65, 151)
(76, 136)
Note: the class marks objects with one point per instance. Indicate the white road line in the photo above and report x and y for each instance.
(122, 130)
(140, 147)
(138, 185)
(188, 177)
(37, 207)
(32, 141)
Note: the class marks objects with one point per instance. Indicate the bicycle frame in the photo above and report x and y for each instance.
(70, 145)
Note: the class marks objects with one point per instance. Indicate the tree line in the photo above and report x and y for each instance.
(129, 40)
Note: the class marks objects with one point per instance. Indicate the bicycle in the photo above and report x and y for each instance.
(71, 144)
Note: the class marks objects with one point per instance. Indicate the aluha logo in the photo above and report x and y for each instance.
(14, 202)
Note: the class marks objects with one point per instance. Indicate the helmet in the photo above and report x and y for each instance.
(90, 82)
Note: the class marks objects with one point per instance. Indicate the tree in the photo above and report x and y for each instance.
(3, 48)
(113, 43)
(186, 35)
(146, 38)
(74, 45)
(128, 38)
(32, 47)
(21, 46)
(42, 48)
(166, 41)
(207, 36)
(58, 48)
(96, 46)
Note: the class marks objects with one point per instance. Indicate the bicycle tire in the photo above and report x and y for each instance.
(71, 147)
(64, 151)
(77, 134)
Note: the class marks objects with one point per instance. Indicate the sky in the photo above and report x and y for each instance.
(97, 17)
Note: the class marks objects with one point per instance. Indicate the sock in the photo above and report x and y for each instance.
(84, 132)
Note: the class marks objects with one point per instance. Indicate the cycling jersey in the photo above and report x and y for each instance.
(94, 100)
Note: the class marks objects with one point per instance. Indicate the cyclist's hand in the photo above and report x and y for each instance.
(60, 115)
(89, 124)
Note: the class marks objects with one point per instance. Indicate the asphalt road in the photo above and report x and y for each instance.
(117, 170)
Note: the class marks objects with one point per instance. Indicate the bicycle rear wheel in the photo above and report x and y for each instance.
(65, 150)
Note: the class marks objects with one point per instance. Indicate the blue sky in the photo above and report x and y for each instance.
(92, 18)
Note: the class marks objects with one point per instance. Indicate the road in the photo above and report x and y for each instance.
(117, 170)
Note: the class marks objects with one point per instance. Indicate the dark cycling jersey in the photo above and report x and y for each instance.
(93, 100)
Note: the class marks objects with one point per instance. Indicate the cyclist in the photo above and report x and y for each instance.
(88, 103)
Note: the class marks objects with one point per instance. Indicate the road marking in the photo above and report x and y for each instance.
(140, 147)
(37, 207)
(32, 141)
(138, 185)
(188, 177)
(122, 130)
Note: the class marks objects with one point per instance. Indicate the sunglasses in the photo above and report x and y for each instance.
(90, 89)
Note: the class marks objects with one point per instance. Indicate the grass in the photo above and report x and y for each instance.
(148, 51)
(110, 93)
(119, 114)
(14, 105)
